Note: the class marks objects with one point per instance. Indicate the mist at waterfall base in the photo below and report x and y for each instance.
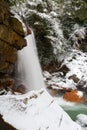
(29, 70)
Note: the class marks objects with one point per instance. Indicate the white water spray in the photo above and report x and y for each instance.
(29, 70)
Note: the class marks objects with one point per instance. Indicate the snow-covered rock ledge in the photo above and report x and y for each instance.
(82, 120)
(36, 110)
(71, 75)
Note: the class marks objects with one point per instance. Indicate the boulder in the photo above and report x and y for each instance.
(82, 86)
(64, 69)
(74, 78)
(17, 26)
(81, 119)
(73, 96)
(11, 37)
(20, 89)
(53, 92)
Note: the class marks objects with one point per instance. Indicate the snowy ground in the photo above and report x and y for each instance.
(36, 110)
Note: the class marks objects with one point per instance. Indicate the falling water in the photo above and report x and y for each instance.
(29, 70)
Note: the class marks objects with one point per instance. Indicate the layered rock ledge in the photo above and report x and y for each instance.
(11, 40)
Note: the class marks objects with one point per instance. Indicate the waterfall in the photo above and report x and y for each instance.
(29, 70)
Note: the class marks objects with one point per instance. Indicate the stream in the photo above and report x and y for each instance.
(72, 109)
(76, 109)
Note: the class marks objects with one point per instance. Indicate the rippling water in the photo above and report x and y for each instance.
(76, 109)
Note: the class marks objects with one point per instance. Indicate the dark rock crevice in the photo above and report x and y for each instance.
(4, 125)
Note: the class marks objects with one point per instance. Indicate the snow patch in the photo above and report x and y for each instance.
(80, 93)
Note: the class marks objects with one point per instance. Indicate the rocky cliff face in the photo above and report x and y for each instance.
(11, 40)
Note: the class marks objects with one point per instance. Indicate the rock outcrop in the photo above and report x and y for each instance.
(73, 96)
(81, 119)
(11, 40)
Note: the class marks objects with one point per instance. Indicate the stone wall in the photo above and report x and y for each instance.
(11, 40)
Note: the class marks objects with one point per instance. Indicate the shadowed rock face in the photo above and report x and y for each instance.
(11, 37)
(4, 125)
(11, 40)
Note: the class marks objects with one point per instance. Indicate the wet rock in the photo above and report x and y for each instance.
(4, 67)
(57, 90)
(64, 69)
(53, 92)
(20, 89)
(53, 66)
(73, 96)
(28, 30)
(11, 37)
(6, 82)
(17, 26)
(7, 52)
(74, 78)
(82, 85)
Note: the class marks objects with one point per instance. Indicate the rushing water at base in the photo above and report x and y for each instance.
(76, 109)
(72, 109)
(29, 70)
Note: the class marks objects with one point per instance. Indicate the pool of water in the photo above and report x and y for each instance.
(76, 109)
(73, 109)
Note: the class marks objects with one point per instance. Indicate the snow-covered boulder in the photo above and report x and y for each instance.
(82, 120)
(36, 110)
